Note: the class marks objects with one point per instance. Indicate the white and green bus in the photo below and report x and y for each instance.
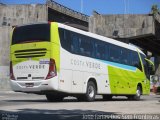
(58, 61)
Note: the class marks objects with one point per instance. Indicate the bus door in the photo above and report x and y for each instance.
(146, 82)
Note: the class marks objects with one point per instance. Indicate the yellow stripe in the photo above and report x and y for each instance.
(55, 44)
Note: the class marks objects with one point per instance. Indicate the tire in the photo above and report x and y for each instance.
(90, 92)
(137, 96)
(54, 98)
(107, 97)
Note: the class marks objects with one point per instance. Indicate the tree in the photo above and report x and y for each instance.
(155, 9)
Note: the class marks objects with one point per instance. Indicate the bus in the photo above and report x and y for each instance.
(57, 60)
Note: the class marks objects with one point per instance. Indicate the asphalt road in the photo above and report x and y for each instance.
(21, 106)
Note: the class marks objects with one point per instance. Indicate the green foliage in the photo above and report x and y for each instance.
(154, 9)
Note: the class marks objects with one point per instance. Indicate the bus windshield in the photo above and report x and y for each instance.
(31, 33)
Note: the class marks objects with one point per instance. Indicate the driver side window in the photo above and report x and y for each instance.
(146, 70)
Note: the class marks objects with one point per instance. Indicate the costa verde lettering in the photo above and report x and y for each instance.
(87, 64)
(31, 67)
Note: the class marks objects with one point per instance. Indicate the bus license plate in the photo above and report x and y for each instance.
(29, 84)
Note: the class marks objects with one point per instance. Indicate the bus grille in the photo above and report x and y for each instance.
(33, 78)
(30, 53)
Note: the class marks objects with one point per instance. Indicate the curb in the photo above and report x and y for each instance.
(7, 92)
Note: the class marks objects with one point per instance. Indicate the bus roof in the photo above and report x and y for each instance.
(93, 35)
(102, 38)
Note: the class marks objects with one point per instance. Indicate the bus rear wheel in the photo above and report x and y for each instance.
(54, 98)
(91, 92)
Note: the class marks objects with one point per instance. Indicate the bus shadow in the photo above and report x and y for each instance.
(70, 100)
(26, 100)
(114, 100)
(61, 114)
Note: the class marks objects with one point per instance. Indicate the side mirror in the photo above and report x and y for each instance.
(151, 69)
(151, 66)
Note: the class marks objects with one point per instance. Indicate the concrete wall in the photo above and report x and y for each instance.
(12, 15)
(4, 57)
(121, 26)
(65, 15)
(67, 11)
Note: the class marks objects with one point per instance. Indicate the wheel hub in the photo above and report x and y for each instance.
(91, 91)
(138, 93)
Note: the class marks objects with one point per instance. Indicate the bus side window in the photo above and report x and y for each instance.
(106, 51)
(65, 39)
(136, 60)
(81, 49)
(146, 69)
(129, 57)
(114, 53)
(124, 56)
(85, 46)
(100, 50)
(74, 43)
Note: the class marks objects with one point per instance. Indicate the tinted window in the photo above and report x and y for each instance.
(85, 46)
(91, 47)
(65, 38)
(74, 43)
(101, 50)
(29, 33)
(146, 70)
(129, 57)
(114, 53)
(135, 61)
(124, 56)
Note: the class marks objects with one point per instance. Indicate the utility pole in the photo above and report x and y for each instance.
(81, 6)
(125, 7)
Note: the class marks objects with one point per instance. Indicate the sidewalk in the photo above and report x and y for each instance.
(152, 93)
(7, 91)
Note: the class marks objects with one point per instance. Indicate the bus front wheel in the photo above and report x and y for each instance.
(90, 92)
(137, 96)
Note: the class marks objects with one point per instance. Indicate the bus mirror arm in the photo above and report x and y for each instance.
(151, 66)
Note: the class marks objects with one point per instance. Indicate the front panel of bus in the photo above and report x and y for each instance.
(32, 58)
(145, 82)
